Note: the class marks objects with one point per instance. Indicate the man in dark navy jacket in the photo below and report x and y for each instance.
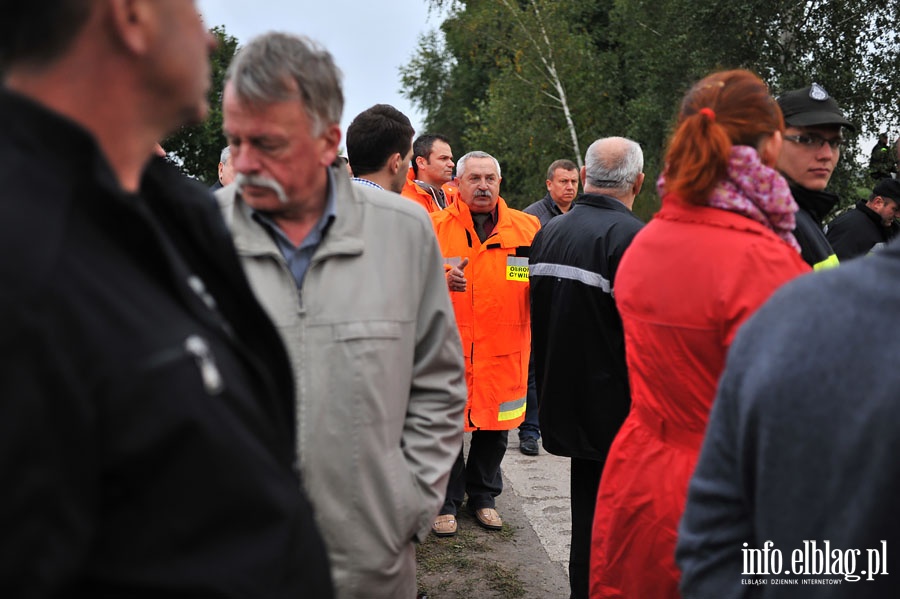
(562, 187)
(870, 225)
(579, 345)
(146, 402)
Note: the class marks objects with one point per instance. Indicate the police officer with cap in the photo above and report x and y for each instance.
(870, 225)
(812, 147)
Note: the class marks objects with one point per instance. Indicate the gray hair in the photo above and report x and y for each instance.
(613, 163)
(225, 155)
(461, 163)
(278, 67)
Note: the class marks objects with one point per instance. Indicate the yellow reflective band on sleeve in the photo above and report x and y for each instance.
(516, 268)
(829, 262)
(510, 410)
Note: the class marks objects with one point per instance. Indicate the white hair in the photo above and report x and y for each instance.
(613, 163)
(461, 163)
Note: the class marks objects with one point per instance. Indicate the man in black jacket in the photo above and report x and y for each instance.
(870, 225)
(811, 150)
(579, 345)
(562, 187)
(146, 402)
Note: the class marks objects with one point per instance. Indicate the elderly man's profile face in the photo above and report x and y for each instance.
(479, 186)
(226, 171)
(275, 143)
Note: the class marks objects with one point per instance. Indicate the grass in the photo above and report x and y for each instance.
(462, 566)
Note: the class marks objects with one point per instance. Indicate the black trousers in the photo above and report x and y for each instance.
(583, 485)
(478, 477)
(531, 426)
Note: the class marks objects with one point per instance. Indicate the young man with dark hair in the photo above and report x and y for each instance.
(429, 177)
(810, 153)
(379, 146)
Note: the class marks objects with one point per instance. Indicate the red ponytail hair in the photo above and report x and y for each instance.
(724, 109)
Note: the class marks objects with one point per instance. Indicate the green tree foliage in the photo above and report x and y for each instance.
(197, 148)
(503, 76)
(625, 65)
(538, 107)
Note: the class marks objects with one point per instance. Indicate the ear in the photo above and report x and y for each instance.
(638, 183)
(330, 141)
(769, 148)
(132, 23)
(583, 176)
(393, 163)
(548, 184)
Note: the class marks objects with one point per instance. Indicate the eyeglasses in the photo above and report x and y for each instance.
(816, 141)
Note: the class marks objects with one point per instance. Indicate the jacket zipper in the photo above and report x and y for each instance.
(197, 347)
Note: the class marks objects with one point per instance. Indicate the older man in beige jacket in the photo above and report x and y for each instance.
(353, 278)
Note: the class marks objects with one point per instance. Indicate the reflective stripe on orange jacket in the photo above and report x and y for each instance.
(415, 193)
(493, 312)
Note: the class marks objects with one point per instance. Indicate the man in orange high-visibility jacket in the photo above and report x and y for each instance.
(428, 180)
(485, 245)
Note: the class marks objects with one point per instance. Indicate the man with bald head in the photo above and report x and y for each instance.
(579, 352)
(146, 419)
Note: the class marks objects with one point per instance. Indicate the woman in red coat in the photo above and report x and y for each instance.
(718, 248)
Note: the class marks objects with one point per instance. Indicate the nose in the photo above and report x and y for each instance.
(245, 161)
(825, 152)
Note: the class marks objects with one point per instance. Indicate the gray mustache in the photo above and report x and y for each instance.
(242, 181)
(482, 192)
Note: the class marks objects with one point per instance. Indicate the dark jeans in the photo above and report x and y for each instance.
(584, 483)
(529, 428)
(479, 477)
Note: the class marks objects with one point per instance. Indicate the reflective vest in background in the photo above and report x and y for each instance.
(493, 312)
(414, 192)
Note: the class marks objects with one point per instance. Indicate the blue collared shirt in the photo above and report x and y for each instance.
(298, 258)
(366, 182)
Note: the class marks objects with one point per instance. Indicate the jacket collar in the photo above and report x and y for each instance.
(502, 228)
(817, 203)
(551, 205)
(871, 214)
(677, 210)
(600, 201)
(64, 145)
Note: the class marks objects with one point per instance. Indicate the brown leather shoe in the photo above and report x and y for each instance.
(444, 525)
(489, 518)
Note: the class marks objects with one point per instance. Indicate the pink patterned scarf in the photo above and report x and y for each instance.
(756, 191)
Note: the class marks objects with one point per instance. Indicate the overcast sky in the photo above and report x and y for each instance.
(369, 40)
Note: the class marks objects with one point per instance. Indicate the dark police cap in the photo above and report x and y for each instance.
(888, 188)
(811, 106)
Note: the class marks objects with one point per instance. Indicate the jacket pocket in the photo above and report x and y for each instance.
(349, 331)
